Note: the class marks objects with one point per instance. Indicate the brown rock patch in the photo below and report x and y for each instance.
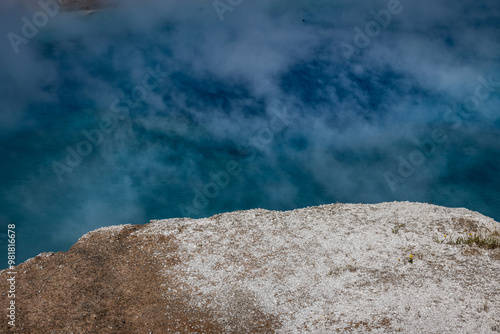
(105, 284)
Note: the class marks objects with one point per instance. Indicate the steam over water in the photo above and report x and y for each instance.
(163, 109)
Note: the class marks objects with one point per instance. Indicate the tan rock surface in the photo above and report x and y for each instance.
(34, 5)
(332, 268)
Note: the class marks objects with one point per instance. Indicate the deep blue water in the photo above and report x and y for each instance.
(163, 110)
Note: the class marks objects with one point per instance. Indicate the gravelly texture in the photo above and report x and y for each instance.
(341, 266)
(332, 268)
(70, 4)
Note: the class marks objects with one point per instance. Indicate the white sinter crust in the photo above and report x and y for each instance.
(341, 267)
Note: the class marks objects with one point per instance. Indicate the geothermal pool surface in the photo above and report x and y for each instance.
(157, 110)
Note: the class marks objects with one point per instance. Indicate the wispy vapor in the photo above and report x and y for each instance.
(161, 109)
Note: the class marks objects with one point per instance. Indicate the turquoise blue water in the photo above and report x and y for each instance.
(142, 113)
